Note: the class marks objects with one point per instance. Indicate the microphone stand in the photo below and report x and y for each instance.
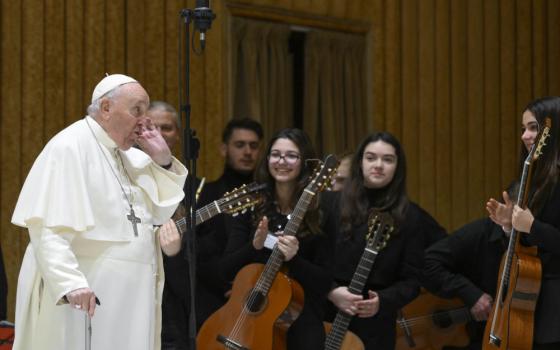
(202, 21)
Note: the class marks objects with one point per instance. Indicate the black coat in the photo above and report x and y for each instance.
(545, 234)
(211, 240)
(466, 265)
(394, 273)
(311, 267)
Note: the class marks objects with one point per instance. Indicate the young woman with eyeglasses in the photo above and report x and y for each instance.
(286, 171)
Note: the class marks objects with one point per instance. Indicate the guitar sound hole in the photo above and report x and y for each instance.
(256, 301)
(442, 319)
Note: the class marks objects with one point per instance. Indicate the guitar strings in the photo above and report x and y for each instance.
(276, 254)
(183, 221)
(414, 321)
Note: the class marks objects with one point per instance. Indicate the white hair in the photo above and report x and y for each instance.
(95, 107)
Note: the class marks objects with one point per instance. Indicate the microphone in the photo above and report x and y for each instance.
(203, 17)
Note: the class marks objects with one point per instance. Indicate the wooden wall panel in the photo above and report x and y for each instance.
(448, 77)
(115, 38)
(32, 80)
(459, 122)
(490, 123)
(393, 79)
(154, 42)
(75, 91)
(509, 112)
(426, 105)
(410, 85)
(553, 49)
(475, 107)
(376, 84)
(93, 46)
(539, 47)
(54, 69)
(13, 240)
(443, 116)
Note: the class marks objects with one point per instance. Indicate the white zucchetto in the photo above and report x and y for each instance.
(109, 83)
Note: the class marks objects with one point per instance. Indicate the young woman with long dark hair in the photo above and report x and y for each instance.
(378, 181)
(540, 222)
(307, 255)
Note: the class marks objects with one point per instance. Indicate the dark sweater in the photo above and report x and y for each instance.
(311, 267)
(393, 275)
(466, 265)
(211, 241)
(545, 234)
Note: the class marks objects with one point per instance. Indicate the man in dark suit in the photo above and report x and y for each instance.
(241, 140)
(241, 143)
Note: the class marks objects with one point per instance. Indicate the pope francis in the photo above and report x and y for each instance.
(90, 203)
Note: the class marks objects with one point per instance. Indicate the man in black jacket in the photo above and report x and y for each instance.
(466, 265)
(241, 143)
(241, 140)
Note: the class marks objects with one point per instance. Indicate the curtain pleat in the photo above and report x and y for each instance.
(334, 92)
(263, 74)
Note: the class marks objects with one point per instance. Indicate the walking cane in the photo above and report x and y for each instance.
(88, 327)
(88, 332)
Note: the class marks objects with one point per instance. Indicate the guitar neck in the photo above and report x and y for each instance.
(276, 259)
(338, 331)
(203, 214)
(514, 236)
(357, 284)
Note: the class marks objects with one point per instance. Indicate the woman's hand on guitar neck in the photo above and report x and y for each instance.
(344, 300)
(288, 245)
(501, 213)
(368, 307)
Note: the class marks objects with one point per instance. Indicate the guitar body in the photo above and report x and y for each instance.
(425, 331)
(351, 341)
(253, 328)
(515, 313)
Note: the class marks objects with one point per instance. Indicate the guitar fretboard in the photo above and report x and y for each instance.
(203, 214)
(342, 320)
(276, 259)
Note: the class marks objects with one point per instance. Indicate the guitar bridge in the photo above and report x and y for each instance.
(495, 340)
(230, 344)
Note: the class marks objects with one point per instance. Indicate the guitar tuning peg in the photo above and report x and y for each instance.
(234, 214)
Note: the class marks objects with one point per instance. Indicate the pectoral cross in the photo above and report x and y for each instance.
(134, 220)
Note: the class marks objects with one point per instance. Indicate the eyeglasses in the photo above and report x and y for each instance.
(289, 158)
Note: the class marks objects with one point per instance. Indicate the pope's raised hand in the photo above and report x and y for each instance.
(151, 142)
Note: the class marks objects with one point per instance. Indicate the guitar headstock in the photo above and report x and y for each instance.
(241, 199)
(323, 174)
(544, 134)
(380, 227)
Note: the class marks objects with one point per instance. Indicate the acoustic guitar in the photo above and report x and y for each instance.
(380, 226)
(430, 323)
(511, 321)
(264, 302)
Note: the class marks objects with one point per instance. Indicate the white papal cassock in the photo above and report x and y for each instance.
(76, 214)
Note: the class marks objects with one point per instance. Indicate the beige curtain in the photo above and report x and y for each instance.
(262, 73)
(334, 97)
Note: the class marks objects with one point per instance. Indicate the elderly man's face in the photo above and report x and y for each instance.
(166, 122)
(125, 115)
